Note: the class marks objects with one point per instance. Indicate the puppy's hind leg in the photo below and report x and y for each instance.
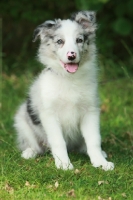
(26, 138)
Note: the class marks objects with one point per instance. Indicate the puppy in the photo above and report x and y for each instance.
(62, 111)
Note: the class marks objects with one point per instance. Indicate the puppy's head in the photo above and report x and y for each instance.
(66, 44)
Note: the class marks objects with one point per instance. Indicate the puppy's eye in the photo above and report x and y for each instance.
(60, 41)
(79, 40)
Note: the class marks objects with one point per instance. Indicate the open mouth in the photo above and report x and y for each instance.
(70, 67)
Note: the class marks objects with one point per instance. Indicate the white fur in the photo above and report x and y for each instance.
(67, 104)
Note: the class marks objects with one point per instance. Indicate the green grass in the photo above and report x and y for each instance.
(38, 179)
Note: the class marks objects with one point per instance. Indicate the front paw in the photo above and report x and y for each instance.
(63, 165)
(104, 164)
(108, 166)
(28, 153)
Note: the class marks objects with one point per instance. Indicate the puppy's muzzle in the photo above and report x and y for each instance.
(71, 55)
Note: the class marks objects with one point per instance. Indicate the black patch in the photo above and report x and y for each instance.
(51, 37)
(84, 13)
(85, 37)
(48, 25)
(91, 17)
(33, 116)
(45, 26)
(45, 29)
(73, 15)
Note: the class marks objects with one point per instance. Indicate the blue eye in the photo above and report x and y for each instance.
(79, 40)
(60, 41)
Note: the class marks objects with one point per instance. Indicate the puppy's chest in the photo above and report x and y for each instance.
(71, 103)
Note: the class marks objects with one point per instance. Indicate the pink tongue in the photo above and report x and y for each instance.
(71, 67)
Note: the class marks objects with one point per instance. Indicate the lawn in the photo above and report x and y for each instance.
(38, 179)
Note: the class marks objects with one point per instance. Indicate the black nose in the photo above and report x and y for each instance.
(71, 57)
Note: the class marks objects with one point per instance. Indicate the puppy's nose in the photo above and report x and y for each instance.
(71, 55)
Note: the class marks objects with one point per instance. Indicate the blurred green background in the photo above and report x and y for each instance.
(114, 34)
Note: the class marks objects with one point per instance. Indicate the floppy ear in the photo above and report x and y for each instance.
(42, 29)
(86, 19)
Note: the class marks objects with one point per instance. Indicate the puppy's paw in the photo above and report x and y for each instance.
(108, 166)
(63, 165)
(104, 164)
(28, 153)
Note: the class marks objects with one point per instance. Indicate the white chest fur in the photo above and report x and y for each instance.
(67, 98)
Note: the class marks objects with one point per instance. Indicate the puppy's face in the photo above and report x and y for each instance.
(64, 43)
(68, 42)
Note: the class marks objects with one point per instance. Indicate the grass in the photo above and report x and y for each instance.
(39, 179)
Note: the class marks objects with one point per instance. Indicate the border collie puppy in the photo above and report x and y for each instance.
(62, 111)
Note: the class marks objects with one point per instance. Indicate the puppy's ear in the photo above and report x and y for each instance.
(86, 19)
(42, 29)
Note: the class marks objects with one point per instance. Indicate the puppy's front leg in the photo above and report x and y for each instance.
(56, 142)
(91, 134)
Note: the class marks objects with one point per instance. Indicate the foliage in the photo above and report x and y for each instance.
(114, 18)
